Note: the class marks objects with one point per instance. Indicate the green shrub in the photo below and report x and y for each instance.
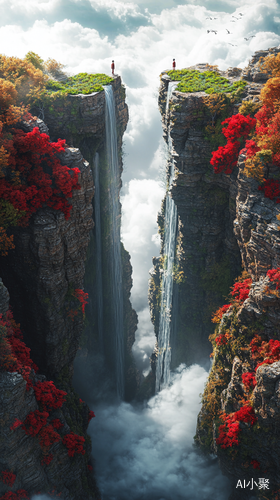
(83, 83)
(192, 80)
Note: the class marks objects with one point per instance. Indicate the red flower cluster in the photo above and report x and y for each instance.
(90, 415)
(241, 290)
(237, 130)
(48, 436)
(274, 275)
(18, 495)
(255, 464)
(249, 379)
(90, 468)
(268, 352)
(271, 189)
(33, 156)
(228, 433)
(217, 316)
(47, 460)
(251, 148)
(8, 478)
(17, 423)
(74, 444)
(230, 429)
(48, 395)
(81, 296)
(34, 422)
(57, 424)
(18, 359)
(221, 339)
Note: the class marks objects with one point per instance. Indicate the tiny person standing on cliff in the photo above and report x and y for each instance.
(174, 64)
(113, 67)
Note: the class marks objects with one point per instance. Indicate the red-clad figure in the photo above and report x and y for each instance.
(113, 67)
(174, 64)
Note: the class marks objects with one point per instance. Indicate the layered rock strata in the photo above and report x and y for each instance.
(208, 257)
(80, 119)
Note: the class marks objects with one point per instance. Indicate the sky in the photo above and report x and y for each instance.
(153, 443)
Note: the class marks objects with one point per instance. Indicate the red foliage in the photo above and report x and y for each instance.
(57, 424)
(90, 415)
(221, 339)
(74, 444)
(237, 130)
(268, 352)
(251, 148)
(241, 290)
(16, 424)
(255, 464)
(34, 156)
(230, 429)
(48, 395)
(245, 414)
(48, 436)
(18, 495)
(228, 433)
(34, 422)
(8, 478)
(225, 158)
(20, 360)
(274, 275)
(90, 468)
(238, 126)
(81, 296)
(271, 189)
(217, 316)
(249, 379)
(47, 460)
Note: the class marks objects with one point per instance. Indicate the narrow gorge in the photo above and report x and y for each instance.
(67, 324)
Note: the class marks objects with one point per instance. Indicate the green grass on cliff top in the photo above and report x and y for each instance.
(192, 80)
(83, 83)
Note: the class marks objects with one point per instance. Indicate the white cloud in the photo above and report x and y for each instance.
(147, 452)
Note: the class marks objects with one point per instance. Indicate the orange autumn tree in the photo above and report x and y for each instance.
(21, 81)
(264, 146)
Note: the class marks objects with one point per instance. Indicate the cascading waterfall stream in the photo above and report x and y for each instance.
(170, 228)
(116, 262)
(98, 253)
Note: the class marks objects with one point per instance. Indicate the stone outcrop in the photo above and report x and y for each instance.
(259, 314)
(256, 229)
(50, 260)
(208, 256)
(47, 263)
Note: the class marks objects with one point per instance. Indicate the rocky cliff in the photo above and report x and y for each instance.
(207, 253)
(224, 224)
(40, 276)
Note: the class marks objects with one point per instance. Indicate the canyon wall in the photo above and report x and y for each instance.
(224, 224)
(52, 258)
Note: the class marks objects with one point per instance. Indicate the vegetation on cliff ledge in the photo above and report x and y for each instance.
(211, 82)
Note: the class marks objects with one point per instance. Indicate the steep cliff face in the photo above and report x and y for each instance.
(207, 253)
(51, 258)
(80, 119)
(244, 377)
(41, 273)
(257, 231)
(207, 256)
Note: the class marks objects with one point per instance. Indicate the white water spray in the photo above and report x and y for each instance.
(170, 227)
(115, 260)
(98, 253)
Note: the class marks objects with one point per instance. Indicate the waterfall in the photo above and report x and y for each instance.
(115, 257)
(98, 253)
(170, 228)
